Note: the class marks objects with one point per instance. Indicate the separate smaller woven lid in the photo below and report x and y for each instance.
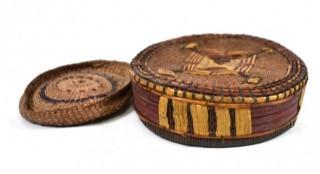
(77, 93)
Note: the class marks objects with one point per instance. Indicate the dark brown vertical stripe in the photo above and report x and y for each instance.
(190, 122)
(170, 114)
(232, 122)
(212, 121)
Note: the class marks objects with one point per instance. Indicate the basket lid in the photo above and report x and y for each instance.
(222, 68)
(77, 93)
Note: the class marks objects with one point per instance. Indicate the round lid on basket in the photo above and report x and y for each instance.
(77, 94)
(222, 68)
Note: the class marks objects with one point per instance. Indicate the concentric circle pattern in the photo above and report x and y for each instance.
(213, 64)
(74, 89)
(65, 91)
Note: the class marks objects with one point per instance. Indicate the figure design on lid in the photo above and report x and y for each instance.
(212, 62)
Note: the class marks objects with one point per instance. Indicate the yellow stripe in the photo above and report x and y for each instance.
(189, 58)
(243, 122)
(189, 95)
(180, 115)
(192, 67)
(169, 91)
(223, 121)
(143, 82)
(238, 68)
(198, 58)
(163, 119)
(185, 67)
(200, 119)
(251, 64)
(180, 93)
(194, 58)
(243, 68)
(301, 97)
(243, 65)
(249, 60)
(261, 99)
(150, 84)
(159, 88)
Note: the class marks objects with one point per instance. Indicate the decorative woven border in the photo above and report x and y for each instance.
(278, 90)
(215, 141)
(173, 92)
(77, 115)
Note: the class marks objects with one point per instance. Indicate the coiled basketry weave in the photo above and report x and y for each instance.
(218, 90)
(77, 93)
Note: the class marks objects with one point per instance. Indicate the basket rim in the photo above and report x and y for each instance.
(141, 75)
(100, 107)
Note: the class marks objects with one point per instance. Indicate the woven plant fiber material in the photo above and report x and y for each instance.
(218, 90)
(77, 94)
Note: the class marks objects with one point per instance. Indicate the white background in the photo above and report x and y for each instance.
(37, 35)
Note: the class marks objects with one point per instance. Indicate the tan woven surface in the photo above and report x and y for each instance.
(76, 94)
(222, 65)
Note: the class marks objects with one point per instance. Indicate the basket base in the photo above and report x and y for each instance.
(217, 142)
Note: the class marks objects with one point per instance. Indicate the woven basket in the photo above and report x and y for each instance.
(218, 90)
(77, 94)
